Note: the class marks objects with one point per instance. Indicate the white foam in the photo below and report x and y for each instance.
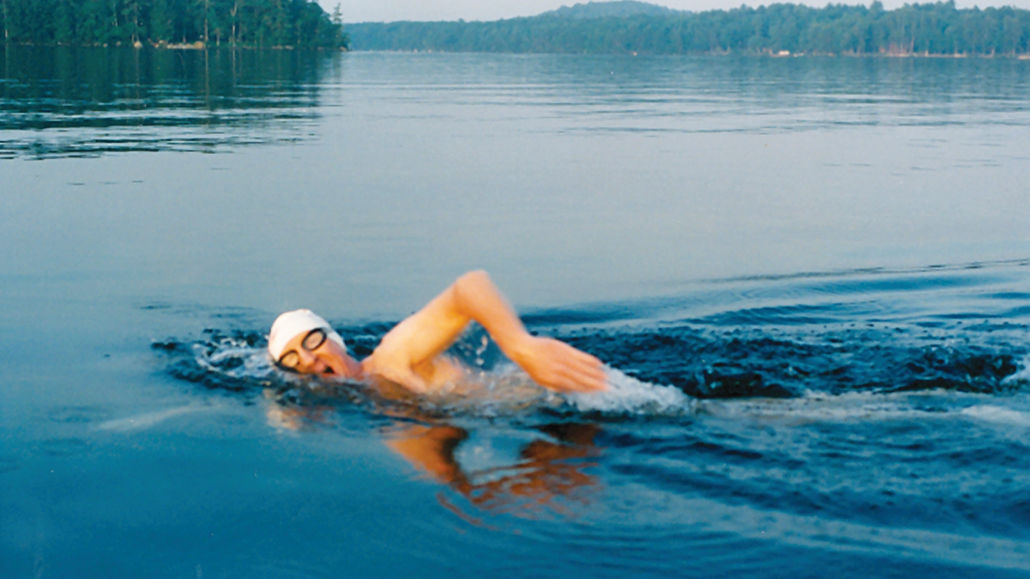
(627, 395)
(998, 415)
(256, 363)
(816, 407)
(508, 391)
(1023, 375)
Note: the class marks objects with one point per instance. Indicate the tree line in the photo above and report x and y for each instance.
(260, 23)
(915, 29)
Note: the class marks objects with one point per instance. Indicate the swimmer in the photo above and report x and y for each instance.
(412, 353)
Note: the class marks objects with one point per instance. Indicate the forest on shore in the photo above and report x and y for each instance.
(938, 29)
(195, 23)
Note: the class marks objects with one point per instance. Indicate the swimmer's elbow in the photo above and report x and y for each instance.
(469, 286)
(474, 278)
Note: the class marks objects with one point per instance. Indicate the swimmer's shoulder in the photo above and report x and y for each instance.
(436, 373)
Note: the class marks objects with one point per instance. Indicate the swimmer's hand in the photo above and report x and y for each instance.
(558, 366)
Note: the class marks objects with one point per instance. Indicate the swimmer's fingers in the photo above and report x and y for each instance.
(581, 372)
(585, 376)
(561, 367)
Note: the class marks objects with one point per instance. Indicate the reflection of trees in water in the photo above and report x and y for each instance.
(91, 101)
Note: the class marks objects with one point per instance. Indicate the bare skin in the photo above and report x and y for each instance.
(411, 354)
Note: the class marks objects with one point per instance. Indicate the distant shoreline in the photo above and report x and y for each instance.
(199, 46)
(625, 27)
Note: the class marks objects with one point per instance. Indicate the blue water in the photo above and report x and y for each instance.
(809, 279)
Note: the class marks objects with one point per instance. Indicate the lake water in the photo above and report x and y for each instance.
(810, 279)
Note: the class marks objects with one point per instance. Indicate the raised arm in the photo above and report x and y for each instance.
(422, 337)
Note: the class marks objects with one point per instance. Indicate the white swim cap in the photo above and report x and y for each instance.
(291, 324)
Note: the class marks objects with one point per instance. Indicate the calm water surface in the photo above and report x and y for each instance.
(810, 279)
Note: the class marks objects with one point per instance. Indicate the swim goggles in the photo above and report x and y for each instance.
(311, 342)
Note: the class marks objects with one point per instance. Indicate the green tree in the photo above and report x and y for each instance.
(65, 18)
(162, 21)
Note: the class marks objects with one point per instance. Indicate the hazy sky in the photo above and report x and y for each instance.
(388, 10)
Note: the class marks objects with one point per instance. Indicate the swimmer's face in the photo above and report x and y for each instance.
(313, 353)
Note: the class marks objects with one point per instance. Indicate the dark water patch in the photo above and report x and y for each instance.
(768, 363)
(1020, 312)
(1015, 296)
(948, 369)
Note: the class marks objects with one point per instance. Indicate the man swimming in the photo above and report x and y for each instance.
(412, 353)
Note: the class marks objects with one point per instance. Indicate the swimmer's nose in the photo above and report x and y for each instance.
(307, 359)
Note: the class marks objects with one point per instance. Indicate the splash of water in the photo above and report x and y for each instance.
(629, 396)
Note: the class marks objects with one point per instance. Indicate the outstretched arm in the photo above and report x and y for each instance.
(419, 339)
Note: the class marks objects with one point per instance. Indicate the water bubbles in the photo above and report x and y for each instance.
(627, 396)
(1021, 377)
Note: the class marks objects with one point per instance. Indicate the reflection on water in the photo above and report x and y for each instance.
(548, 476)
(597, 95)
(64, 101)
(750, 244)
(75, 102)
(536, 472)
